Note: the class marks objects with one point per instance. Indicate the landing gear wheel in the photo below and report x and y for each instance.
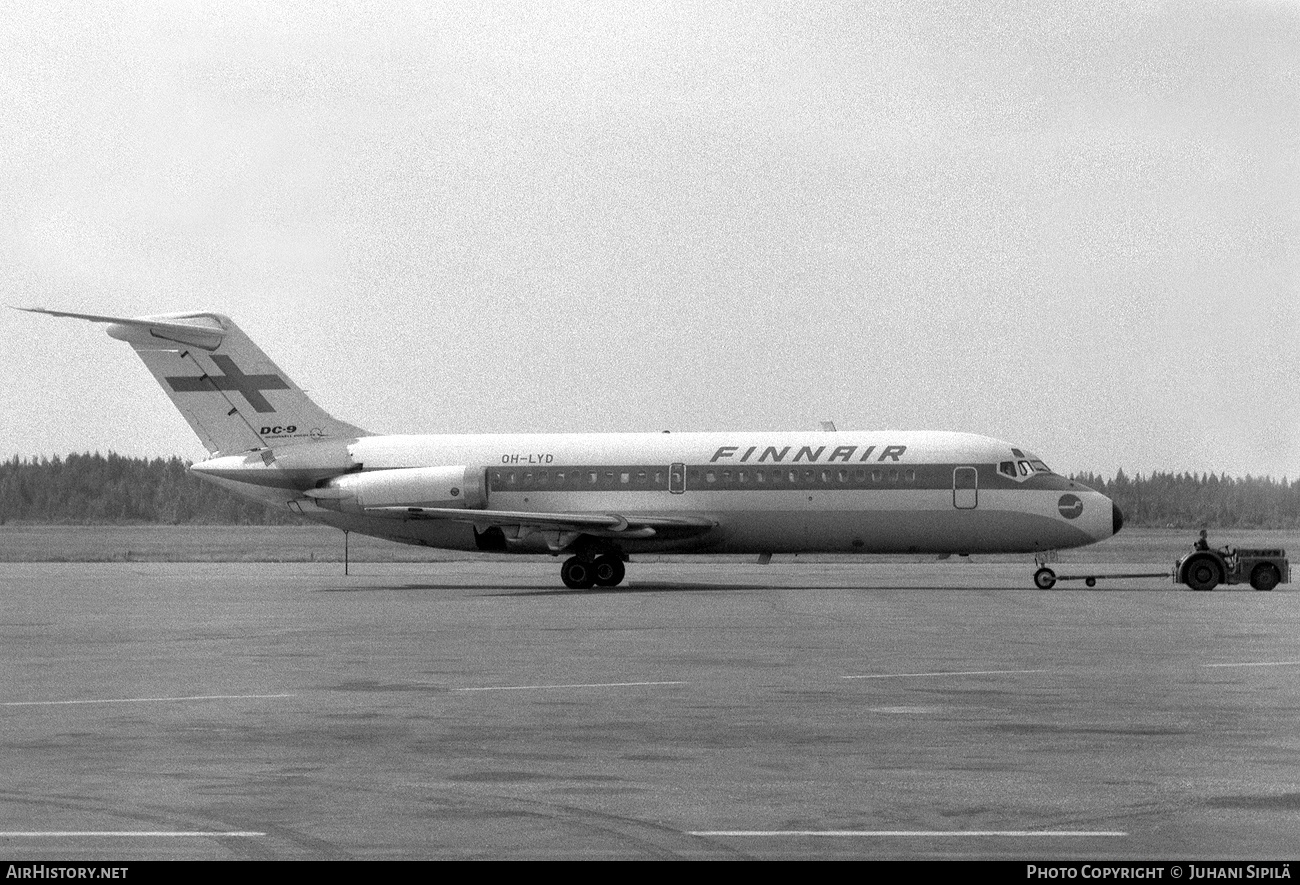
(1044, 578)
(1202, 575)
(608, 571)
(578, 575)
(1091, 582)
(1265, 577)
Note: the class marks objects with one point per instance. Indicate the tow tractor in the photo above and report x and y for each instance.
(1263, 567)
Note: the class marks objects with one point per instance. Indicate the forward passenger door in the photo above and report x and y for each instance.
(965, 488)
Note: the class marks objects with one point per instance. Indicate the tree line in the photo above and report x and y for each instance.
(112, 489)
(1191, 500)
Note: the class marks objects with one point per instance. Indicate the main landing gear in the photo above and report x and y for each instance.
(579, 573)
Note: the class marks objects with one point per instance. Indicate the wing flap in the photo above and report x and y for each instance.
(606, 524)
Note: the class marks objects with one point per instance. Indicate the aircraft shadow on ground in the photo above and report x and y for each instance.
(533, 590)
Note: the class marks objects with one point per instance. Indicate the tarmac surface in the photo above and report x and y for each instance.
(480, 710)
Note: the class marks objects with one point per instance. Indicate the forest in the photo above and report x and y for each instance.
(112, 489)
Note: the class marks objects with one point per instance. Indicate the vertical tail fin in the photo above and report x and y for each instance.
(231, 393)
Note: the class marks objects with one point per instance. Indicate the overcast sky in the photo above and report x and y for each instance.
(1072, 226)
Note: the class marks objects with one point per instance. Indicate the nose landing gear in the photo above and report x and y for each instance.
(1045, 577)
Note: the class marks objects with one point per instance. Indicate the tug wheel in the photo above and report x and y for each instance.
(1203, 575)
(1265, 577)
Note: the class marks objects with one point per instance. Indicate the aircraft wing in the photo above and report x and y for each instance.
(602, 524)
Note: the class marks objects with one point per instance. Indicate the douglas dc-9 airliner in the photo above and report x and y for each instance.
(598, 498)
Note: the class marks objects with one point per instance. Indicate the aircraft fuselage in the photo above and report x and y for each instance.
(884, 492)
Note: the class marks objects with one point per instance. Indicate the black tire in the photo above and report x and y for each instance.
(1203, 574)
(1044, 578)
(1265, 577)
(609, 571)
(577, 575)
(1091, 582)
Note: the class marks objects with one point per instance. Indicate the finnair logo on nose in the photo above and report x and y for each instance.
(1071, 506)
(251, 386)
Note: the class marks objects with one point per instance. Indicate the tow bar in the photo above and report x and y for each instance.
(1045, 578)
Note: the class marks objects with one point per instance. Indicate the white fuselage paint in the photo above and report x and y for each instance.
(879, 492)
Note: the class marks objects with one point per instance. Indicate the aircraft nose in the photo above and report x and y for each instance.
(1116, 518)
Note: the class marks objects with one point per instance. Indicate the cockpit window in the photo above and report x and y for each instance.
(1025, 466)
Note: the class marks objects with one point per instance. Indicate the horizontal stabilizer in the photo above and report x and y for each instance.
(198, 331)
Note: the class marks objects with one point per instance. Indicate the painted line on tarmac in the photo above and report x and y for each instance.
(1015, 834)
(116, 834)
(944, 673)
(201, 697)
(1258, 664)
(579, 685)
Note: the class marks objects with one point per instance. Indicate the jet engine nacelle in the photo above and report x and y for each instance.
(404, 487)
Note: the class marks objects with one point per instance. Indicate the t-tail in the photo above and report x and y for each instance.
(230, 392)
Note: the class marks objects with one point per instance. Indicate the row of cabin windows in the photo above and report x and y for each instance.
(580, 478)
(776, 476)
(656, 478)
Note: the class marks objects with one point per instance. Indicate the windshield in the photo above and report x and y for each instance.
(1022, 467)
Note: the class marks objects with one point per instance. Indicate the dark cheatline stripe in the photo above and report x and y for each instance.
(759, 478)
